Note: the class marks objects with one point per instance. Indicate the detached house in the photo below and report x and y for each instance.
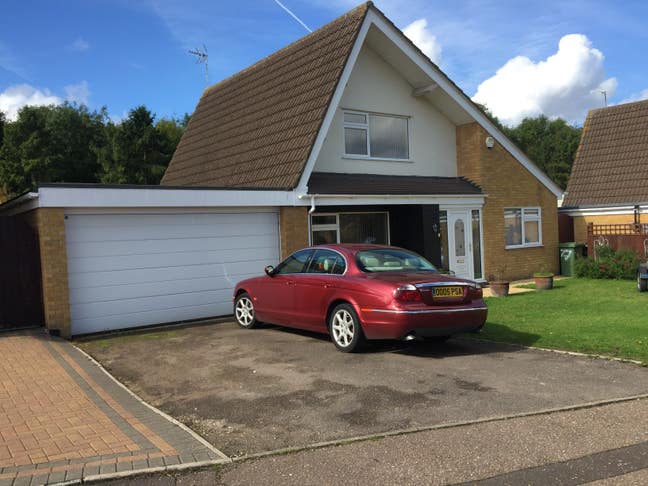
(609, 180)
(350, 134)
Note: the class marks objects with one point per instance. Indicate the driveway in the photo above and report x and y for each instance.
(62, 418)
(248, 391)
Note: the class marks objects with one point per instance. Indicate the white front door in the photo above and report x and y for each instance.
(459, 243)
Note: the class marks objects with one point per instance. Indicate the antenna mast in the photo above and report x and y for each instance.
(202, 57)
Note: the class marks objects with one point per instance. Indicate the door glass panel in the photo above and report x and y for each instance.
(324, 237)
(294, 263)
(460, 238)
(443, 237)
(476, 244)
(363, 228)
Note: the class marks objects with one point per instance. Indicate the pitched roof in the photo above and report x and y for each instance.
(257, 128)
(373, 184)
(611, 165)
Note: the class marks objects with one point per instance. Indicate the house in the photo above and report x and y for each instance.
(350, 134)
(609, 178)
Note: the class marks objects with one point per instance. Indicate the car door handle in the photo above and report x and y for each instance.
(290, 282)
(329, 286)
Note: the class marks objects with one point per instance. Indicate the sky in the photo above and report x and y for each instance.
(551, 57)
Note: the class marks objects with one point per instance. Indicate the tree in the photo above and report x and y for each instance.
(551, 144)
(136, 155)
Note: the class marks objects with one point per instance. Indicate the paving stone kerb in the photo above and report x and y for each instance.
(64, 418)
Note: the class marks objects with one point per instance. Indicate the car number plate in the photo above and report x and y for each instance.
(447, 292)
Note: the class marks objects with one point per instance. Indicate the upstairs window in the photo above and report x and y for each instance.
(376, 136)
(523, 227)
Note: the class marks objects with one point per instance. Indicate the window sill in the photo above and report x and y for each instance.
(519, 247)
(375, 159)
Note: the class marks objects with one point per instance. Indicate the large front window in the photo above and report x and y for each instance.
(376, 136)
(523, 227)
(350, 228)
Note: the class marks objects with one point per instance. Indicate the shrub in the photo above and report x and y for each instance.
(611, 264)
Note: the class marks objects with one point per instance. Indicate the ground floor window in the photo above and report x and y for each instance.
(350, 228)
(523, 227)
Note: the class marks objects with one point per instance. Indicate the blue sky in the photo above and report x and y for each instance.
(123, 53)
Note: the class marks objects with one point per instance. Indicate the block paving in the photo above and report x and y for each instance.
(62, 418)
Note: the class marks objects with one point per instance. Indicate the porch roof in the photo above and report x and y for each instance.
(376, 184)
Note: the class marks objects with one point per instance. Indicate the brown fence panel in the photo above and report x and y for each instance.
(619, 237)
(21, 301)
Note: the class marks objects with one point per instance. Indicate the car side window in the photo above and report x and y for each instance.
(294, 263)
(327, 262)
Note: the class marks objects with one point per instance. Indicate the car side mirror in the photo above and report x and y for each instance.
(269, 270)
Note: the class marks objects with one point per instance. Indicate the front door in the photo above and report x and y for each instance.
(459, 246)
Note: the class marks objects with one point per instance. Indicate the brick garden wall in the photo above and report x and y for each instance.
(49, 223)
(507, 183)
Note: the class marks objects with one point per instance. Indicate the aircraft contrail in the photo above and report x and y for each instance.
(293, 15)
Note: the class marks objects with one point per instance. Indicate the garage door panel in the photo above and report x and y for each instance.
(137, 319)
(128, 270)
(150, 275)
(89, 249)
(170, 260)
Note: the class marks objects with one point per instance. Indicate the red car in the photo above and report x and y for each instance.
(358, 292)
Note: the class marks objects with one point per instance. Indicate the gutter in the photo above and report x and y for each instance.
(18, 201)
(390, 196)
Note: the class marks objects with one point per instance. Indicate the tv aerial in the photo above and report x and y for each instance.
(202, 57)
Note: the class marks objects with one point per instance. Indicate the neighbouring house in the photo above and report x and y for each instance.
(350, 134)
(609, 179)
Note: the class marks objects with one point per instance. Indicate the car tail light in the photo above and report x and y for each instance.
(407, 293)
(476, 292)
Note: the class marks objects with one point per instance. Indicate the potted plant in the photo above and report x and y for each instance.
(498, 283)
(543, 280)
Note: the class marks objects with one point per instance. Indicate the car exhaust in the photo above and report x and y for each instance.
(412, 337)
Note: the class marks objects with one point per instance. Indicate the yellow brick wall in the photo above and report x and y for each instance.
(507, 183)
(293, 225)
(581, 222)
(49, 223)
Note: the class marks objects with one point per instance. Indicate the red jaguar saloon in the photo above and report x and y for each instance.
(360, 292)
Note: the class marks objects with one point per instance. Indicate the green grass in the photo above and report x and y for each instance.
(606, 317)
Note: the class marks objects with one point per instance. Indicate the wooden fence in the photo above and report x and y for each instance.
(633, 236)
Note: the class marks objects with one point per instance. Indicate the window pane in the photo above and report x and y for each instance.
(363, 228)
(294, 263)
(531, 213)
(326, 261)
(476, 244)
(355, 118)
(513, 226)
(531, 232)
(324, 237)
(460, 238)
(443, 220)
(392, 260)
(388, 137)
(355, 141)
(321, 219)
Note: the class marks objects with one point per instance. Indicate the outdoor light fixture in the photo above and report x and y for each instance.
(490, 142)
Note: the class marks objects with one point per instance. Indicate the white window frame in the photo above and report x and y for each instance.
(336, 227)
(366, 127)
(524, 219)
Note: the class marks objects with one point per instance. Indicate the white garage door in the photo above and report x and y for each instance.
(128, 270)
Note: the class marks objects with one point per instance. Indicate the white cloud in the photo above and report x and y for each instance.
(642, 95)
(421, 36)
(80, 44)
(78, 93)
(567, 84)
(15, 97)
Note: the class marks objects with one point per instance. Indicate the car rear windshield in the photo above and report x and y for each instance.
(392, 260)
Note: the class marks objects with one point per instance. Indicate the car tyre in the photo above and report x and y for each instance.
(642, 284)
(346, 331)
(244, 311)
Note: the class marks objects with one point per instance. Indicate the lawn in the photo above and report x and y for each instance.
(607, 317)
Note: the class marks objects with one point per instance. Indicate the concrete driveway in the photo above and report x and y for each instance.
(249, 391)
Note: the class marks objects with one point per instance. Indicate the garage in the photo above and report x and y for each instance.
(130, 269)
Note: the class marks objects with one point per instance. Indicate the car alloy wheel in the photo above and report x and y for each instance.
(244, 311)
(345, 328)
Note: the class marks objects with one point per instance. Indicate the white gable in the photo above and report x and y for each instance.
(376, 87)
